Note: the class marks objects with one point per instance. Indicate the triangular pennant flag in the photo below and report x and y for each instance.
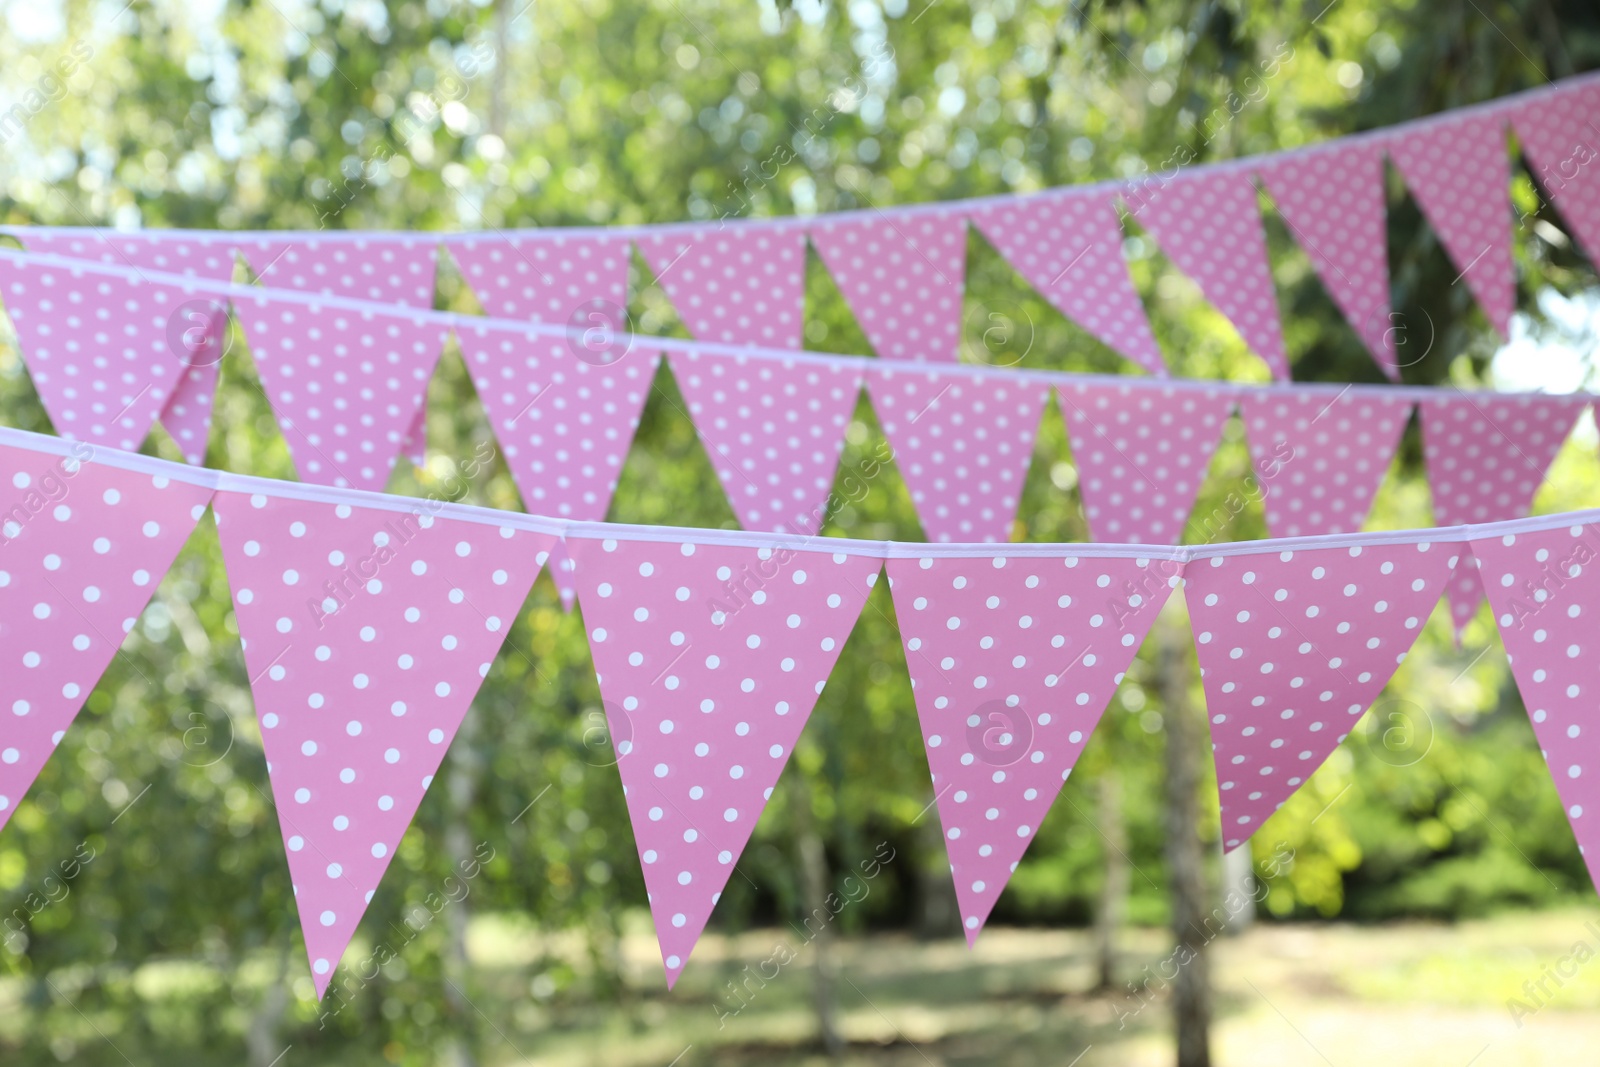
(1141, 456)
(1332, 200)
(1459, 171)
(564, 424)
(773, 430)
(171, 252)
(903, 276)
(105, 352)
(394, 271)
(1069, 248)
(1560, 135)
(1319, 458)
(735, 284)
(1293, 646)
(710, 659)
(1209, 225)
(366, 632)
(1012, 661)
(1545, 589)
(346, 385)
(547, 277)
(198, 345)
(963, 444)
(82, 547)
(1486, 457)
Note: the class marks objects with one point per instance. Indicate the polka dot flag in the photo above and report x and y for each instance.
(366, 632)
(346, 385)
(963, 445)
(199, 341)
(1544, 587)
(1332, 201)
(904, 277)
(107, 353)
(740, 284)
(1560, 135)
(773, 432)
(1012, 662)
(1069, 247)
(1459, 171)
(1486, 457)
(710, 659)
(1208, 224)
(83, 545)
(1141, 455)
(1319, 457)
(1293, 646)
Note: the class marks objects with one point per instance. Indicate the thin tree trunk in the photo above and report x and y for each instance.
(502, 61)
(1239, 889)
(1114, 892)
(463, 783)
(1191, 989)
(261, 1037)
(814, 882)
(937, 910)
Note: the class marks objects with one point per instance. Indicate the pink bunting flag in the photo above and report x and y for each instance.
(741, 284)
(83, 544)
(565, 418)
(1545, 590)
(1293, 646)
(1141, 456)
(1332, 200)
(710, 659)
(366, 631)
(1486, 456)
(1560, 135)
(903, 275)
(1209, 225)
(773, 432)
(399, 270)
(963, 444)
(1069, 247)
(1459, 171)
(1319, 458)
(107, 353)
(1012, 661)
(547, 277)
(347, 385)
(169, 251)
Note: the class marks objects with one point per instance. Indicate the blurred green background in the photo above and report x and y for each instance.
(179, 942)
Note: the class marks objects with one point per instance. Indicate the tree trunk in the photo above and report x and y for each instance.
(1239, 889)
(1191, 989)
(463, 783)
(1114, 893)
(261, 1036)
(938, 914)
(814, 890)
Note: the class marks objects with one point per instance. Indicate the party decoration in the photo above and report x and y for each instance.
(710, 657)
(903, 278)
(1458, 172)
(385, 272)
(1069, 247)
(1332, 200)
(1486, 457)
(346, 385)
(1208, 224)
(734, 284)
(83, 545)
(366, 631)
(773, 431)
(1319, 458)
(962, 444)
(192, 253)
(1141, 455)
(1560, 135)
(1293, 647)
(1012, 661)
(1545, 591)
(580, 281)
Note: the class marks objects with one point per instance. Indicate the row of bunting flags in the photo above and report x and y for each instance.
(368, 622)
(348, 380)
(902, 270)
